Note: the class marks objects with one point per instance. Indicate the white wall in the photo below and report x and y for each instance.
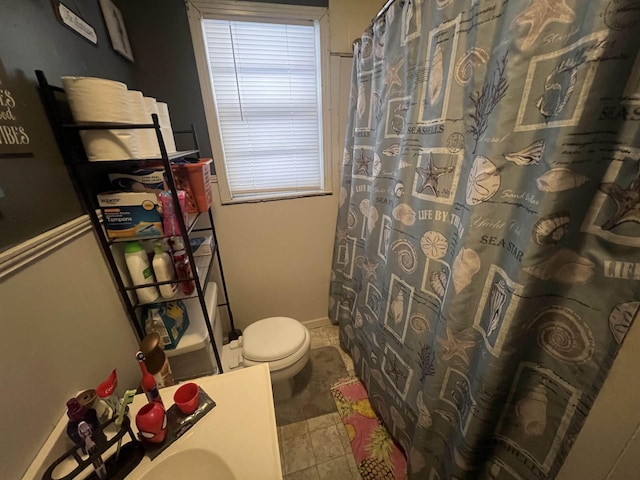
(63, 330)
(605, 448)
(349, 18)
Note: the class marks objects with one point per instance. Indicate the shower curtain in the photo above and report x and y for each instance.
(486, 265)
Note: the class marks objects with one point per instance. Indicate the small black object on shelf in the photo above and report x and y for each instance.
(234, 334)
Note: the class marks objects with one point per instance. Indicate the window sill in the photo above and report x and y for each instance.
(272, 197)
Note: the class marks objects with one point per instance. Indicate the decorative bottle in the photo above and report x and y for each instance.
(183, 267)
(149, 386)
(156, 361)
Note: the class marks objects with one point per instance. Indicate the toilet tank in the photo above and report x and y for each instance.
(193, 357)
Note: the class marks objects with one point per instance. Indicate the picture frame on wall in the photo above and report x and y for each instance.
(116, 28)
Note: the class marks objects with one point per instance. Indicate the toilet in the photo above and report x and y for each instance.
(282, 342)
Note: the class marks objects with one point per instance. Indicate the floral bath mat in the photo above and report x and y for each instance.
(376, 454)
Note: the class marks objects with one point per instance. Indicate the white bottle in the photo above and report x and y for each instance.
(140, 271)
(163, 268)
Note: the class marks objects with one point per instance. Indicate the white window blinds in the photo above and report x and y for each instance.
(266, 84)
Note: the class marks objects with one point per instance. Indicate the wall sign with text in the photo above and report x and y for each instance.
(14, 137)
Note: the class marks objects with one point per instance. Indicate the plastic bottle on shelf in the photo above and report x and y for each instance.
(170, 213)
(163, 268)
(183, 267)
(140, 271)
(156, 361)
(149, 386)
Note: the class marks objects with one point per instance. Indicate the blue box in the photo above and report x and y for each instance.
(130, 214)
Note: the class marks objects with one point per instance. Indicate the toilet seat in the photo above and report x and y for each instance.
(272, 339)
(282, 343)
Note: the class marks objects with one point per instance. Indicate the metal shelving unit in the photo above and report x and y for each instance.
(81, 171)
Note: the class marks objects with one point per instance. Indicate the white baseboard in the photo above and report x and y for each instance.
(27, 252)
(316, 322)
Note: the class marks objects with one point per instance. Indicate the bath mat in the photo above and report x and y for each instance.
(376, 454)
(311, 394)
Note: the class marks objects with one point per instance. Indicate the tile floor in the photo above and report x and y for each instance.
(319, 448)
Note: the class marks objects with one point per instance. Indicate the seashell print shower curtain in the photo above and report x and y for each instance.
(486, 260)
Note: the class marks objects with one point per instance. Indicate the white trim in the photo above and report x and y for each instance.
(39, 246)
(316, 322)
(198, 10)
(208, 8)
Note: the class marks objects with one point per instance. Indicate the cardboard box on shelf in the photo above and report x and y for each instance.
(201, 245)
(194, 177)
(138, 180)
(130, 214)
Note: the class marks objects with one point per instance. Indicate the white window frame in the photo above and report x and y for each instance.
(199, 10)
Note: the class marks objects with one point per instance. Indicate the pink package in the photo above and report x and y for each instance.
(170, 222)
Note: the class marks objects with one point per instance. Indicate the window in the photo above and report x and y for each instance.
(265, 111)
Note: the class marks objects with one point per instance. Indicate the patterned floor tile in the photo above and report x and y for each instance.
(335, 469)
(306, 474)
(322, 421)
(293, 430)
(326, 444)
(297, 453)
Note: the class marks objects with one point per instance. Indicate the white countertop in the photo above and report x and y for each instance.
(241, 429)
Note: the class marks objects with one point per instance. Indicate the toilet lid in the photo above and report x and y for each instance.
(273, 338)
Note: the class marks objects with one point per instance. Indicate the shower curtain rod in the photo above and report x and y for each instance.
(383, 10)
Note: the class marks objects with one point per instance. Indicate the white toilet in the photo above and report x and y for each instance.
(282, 342)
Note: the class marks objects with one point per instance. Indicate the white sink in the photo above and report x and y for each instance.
(194, 464)
(237, 439)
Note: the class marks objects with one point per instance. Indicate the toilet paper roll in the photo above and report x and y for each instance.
(165, 123)
(147, 139)
(97, 99)
(110, 145)
(150, 106)
(163, 115)
(169, 141)
(101, 100)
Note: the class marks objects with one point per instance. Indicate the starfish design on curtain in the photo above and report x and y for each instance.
(362, 164)
(370, 268)
(341, 235)
(394, 372)
(455, 347)
(627, 202)
(393, 78)
(540, 14)
(430, 176)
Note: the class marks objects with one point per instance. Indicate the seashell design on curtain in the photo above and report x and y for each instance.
(486, 262)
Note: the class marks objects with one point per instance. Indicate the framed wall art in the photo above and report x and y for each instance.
(116, 28)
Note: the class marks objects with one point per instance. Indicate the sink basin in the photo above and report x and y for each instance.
(235, 440)
(194, 464)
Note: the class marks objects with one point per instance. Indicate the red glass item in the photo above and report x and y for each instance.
(184, 271)
(186, 398)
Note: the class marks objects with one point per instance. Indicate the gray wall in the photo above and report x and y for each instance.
(165, 65)
(38, 195)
